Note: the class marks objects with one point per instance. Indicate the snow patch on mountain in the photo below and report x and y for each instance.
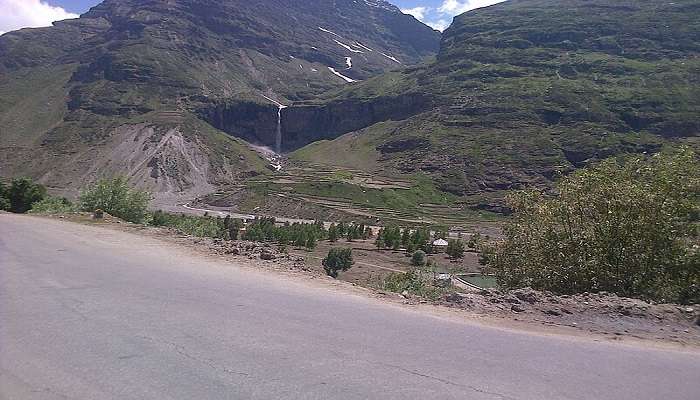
(327, 31)
(358, 44)
(348, 48)
(390, 57)
(345, 78)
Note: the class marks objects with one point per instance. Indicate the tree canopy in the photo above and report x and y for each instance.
(624, 226)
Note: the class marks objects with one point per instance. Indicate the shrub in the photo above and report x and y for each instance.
(115, 197)
(337, 260)
(23, 194)
(418, 258)
(159, 218)
(625, 227)
(53, 205)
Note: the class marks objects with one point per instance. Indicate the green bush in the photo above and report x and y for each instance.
(115, 197)
(22, 195)
(418, 258)
(4, 198)
(455, 249)
(629, 228)
(53, 205)
(337, 260)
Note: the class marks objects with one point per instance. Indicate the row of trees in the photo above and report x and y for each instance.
(396, 238)
(297, 234)
(413, 240)
(350, 232)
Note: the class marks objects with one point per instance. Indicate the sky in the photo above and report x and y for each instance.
(16, 14)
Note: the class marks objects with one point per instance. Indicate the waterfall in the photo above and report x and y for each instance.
(278, 135)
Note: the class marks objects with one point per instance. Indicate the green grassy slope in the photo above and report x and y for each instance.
(528, 89)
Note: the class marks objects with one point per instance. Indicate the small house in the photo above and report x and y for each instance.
(440, 245)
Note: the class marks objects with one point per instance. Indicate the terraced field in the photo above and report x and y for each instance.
(311, 191)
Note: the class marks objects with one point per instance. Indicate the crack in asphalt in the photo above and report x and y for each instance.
(448, 382)
(180, 349)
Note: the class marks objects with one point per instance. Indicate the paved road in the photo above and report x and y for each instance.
(89, 313)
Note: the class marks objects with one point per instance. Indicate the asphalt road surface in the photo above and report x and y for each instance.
(92, 313)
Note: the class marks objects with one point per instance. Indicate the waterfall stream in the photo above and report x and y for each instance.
(278, 134)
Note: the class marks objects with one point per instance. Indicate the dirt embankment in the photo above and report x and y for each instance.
(602, 313)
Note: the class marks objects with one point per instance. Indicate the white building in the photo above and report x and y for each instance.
(440, 245)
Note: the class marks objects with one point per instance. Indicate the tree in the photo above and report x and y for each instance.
(405, 237)
(333, 233)
(114, 196)
(337, 260)
(379, 242)
(232, 227)
(4, 198)
(301, 239)
(342, 229)
(624, 226)
(455, 249)
(418, 258)
(351, 233)
(22, 194)
(310, 241)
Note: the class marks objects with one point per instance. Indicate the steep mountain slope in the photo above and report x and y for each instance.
(155, 77)
(520, 92)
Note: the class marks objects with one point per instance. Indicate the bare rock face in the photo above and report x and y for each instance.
(306, 123)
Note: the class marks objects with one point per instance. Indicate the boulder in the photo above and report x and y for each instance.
(517, 308)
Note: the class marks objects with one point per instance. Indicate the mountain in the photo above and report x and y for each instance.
(519, 93)
(164, 91)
